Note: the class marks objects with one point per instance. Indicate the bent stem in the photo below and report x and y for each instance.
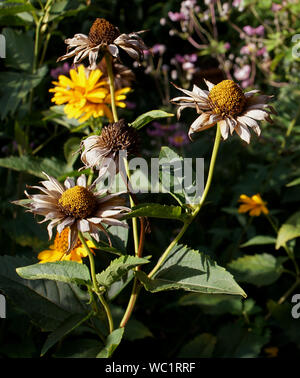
(138, 247)
(111, 86)
(94, 281)
(197, 207)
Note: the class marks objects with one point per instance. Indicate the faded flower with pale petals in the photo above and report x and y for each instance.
(226, 103)
(76, 206)
(106, 37)
(102, 151)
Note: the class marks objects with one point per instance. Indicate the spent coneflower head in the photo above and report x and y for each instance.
(101, 151)
(103, 36)
(58, 250)
(255, 205)
(86, 94)
(76, 206)
(227, 104)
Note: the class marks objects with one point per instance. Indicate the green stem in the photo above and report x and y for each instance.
(132, 204)
(111, 86)
(94, 280)
(134, 294)
(196, 208)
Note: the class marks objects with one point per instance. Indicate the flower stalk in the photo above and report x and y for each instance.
(197, 207)
(111, 86)
(95, 285)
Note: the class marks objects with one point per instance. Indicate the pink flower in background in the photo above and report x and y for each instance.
(261, 51)
(227, 45)
(242, 73)
(179, 139)
(260, 30)
(130, 105)
(249, 30)
(246, 83)
(191, 58)
(158, 48)
(248, 49)
(62, 70)
(276, 7)
(176, 16)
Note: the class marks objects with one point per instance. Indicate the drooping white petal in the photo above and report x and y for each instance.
(224, 128)
(243, 132)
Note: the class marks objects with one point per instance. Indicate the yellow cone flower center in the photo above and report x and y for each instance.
(61, 241)
(102, 32)
(227, 98)
(78, 202)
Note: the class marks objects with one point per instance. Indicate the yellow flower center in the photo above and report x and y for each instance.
(102, 32)
(227, 98)
(77, 202)
(61, 241)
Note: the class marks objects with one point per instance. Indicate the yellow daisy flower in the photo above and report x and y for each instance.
(57, 251)
(271, 351)
(85, 95)
(255, 205)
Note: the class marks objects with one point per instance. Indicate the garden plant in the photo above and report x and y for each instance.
(150, 167)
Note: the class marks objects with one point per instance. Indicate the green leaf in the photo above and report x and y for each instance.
(85, 348)
(294, 182)
(34, 165)
(65, 328)
(25, 231)
(145, 118)
(63, 271)
(217, 304)
(136, 330)
(14, 87)
(191, 270)
(19, 49)
(156, 210)
(201, 346)
(8, 8)
(174, 174)
(117, 268)
(119, 237)
(47, 303)
(289, 230)
(71, 146)
(259, 240)
(112, 342)
(235, 341)
(260, 269)
(116, 288)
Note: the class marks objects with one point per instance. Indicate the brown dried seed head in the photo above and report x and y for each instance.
(102, 32)
(119, 136)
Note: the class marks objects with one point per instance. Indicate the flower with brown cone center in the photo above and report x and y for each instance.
(102, 32)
